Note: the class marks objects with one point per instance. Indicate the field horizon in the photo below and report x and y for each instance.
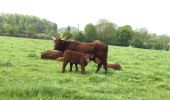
(145, 74)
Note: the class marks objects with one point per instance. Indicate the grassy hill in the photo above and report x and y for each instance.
(24, 75)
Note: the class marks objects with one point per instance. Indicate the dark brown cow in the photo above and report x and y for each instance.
(99, 50)
(114, 66)
(73, 57)
(51, 54)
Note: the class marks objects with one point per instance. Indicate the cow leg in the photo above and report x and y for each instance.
(64, 66)
(105, 67)
(76, 67)
(82, 70)
(98, 67)
(71, 64)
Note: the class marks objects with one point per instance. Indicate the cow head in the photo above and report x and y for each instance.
(59, 43)
(89, 57)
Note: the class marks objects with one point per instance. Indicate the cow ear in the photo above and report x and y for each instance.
(87, 56)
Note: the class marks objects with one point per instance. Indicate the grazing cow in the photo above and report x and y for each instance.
(114, 66)
(99, 50)
(73, 57)
(61, 59)
(51, 54)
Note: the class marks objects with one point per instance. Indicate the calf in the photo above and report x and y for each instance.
(73, 57)
(114, 66)
(61, 59)
(51, 54)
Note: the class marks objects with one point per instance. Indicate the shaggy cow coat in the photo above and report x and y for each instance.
(51, 54)
(99, 50)
(114, 66)
(61, 59)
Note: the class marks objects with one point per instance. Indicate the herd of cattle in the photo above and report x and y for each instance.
(79, 53)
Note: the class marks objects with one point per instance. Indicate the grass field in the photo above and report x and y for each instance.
(24, 75)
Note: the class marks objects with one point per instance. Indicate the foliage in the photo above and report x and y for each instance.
(123, 35)
(64, 29)
(90, 32)
(24, 24)
(104, 26)
(10, 28)
(79, 36)
(67, 34)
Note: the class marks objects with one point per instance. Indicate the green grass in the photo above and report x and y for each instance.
(24, 75)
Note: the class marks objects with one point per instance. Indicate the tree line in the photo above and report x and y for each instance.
(112, 34)
(26, 26)
(104, 30)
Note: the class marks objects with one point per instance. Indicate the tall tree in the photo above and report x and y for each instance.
(123, 36)
(90, 32)
(104, 26)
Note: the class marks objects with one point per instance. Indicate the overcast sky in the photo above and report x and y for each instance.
(151, 14)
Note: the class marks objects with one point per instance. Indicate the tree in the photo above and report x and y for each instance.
(31, 29)
(17, 25)
(68, 33)
(141, 38)
(104, 27)
(161, 42)
(9, 28)
(79, 36)
(123, 35)
(90, 32)
(68, 29)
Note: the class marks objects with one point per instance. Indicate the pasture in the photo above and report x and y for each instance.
(24, 75)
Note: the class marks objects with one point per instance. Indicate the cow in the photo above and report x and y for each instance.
(114, 66)
(51, 54)
(74, 57)
(99, 50)
(61, 59)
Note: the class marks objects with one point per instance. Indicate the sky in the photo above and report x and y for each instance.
(151, 14)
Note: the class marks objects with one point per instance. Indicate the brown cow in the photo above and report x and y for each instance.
(51, 54)
(99, 50)
(73, 57)
(61, 59)
(114, 66)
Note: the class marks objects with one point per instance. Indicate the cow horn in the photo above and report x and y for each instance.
(53, 38)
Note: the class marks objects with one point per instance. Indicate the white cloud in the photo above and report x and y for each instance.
(152, 14)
